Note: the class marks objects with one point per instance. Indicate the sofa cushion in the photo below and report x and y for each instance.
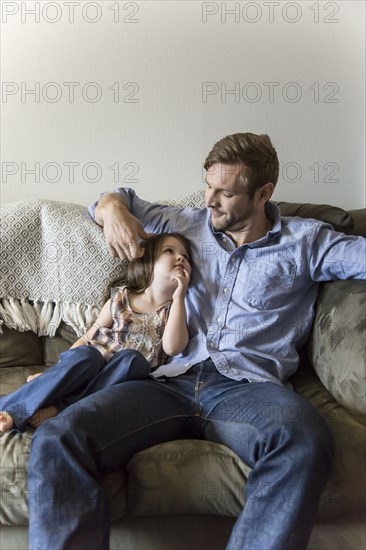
(337, 217)
(186, 476)
(20, 348)
(53, 347)
(12, 378)
(67, 333)
(359, 218)
(337, 343)
(14, 456)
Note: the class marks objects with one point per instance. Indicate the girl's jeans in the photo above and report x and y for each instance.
(274, 430)
(80, 372)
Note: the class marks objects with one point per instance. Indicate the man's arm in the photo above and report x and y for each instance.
(123, 232)
(336, 255)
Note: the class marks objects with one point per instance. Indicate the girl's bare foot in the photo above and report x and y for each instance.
(42, 415)
(32, 376)
(6, 422)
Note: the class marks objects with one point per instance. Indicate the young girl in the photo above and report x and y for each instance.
(142, 323)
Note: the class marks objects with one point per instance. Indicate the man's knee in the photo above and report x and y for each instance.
(44, 445)
(312, 441)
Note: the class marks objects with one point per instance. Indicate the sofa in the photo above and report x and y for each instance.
(181, 494)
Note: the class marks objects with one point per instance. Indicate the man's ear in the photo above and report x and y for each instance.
(265, 192)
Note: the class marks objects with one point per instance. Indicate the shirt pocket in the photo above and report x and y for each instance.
(267, 285)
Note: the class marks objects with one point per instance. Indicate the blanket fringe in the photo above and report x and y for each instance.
(29, 314)
(14, 315)
(55, 319)
(44, 318)
(6, 316)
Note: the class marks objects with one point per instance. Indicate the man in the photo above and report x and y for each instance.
(250, 307)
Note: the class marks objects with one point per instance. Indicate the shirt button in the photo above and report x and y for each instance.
(226, 290)
(211, 344)
(219, 319)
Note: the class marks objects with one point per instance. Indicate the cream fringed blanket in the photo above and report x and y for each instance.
(55, 266)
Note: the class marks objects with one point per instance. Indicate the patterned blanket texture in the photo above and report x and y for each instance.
(55, 266)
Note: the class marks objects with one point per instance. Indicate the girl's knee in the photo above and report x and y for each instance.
(131, 354)
(87, 353)
(133, 362)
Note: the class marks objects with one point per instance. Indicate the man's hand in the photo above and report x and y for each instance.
(123, 232)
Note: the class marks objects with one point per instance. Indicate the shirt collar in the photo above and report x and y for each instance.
(273, 213)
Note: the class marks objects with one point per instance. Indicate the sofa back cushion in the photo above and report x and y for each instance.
(336, 346)
(337, 217)
(20, 348)
(14, 456)
(359, 219)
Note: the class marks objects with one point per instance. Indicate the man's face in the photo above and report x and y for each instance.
(225, 195)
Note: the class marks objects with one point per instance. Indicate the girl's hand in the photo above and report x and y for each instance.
(182, 284)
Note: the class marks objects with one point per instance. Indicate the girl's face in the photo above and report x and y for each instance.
(172, 260)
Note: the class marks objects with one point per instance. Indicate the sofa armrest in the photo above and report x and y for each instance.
(336, 347)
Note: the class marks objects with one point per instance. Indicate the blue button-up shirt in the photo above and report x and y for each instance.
(250, 308)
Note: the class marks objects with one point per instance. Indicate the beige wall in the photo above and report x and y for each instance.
(101, 94)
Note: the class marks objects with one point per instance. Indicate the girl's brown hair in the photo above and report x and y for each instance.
(139, 272)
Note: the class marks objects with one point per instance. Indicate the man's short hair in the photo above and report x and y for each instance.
(255, 152)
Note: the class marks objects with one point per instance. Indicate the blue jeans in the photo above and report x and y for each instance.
(277, 432)
(81, 371)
